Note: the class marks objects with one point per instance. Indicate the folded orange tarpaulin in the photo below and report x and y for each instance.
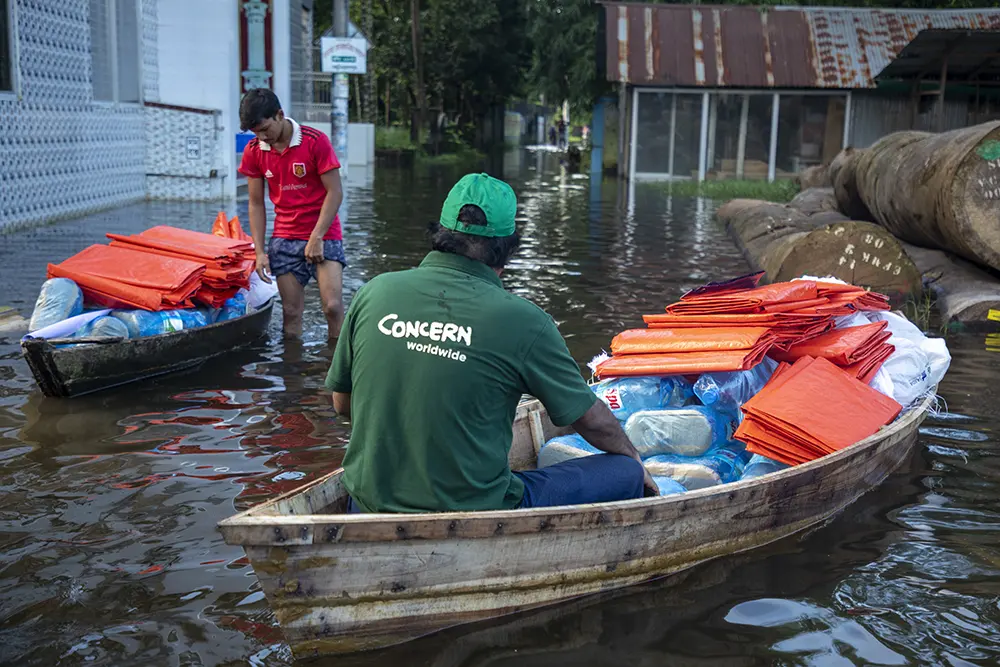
(168, 233)
(866, 368)
(229, 229)
(841, 346)
(667, 320)
(132, 267)
(193, 251)
(814, 407)
(746, 301)
(680, 363)
(109, 293)
(655, 341)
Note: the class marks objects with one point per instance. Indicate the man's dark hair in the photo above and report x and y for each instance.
(257, 106)
(494, 252)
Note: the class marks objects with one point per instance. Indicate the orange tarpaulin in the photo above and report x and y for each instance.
(811, 409)
(680, 363)
(653, 341)
(118, 277)
(866, 368)
(229, 229)
(841, 346)
(746, 301)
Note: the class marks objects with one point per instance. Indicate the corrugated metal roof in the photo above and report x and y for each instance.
(774, 47)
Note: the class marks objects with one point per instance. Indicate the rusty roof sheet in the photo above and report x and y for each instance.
(774, 47)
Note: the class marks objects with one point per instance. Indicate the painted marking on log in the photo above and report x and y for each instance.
(989, 150)
(849, 250)
(993, 315)
(993, 342)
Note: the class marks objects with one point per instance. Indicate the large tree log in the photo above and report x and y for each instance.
(786, 244)
(966, 295)
(845, 188)
(933, 190)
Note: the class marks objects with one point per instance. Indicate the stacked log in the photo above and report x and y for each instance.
(931, 190)
(787, 243)
(965, 295)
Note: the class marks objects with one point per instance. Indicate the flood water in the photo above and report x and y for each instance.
(109, 553)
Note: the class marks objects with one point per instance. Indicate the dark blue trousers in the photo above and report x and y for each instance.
(590, 479)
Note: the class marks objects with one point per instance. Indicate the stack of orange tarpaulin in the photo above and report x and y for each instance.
(124, 278)
(860, 350)
(799, 415)
(163, 268)
(733, 325)
(228, 261)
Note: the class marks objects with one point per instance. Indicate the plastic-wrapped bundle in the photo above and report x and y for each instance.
(105, 326)
(759, 465)
(564, 448)
(726, 392)
(142, 323)
(59, 299)
(721, 465)
(233, 308)
(687, 431)
(668, 486)
(626, 396)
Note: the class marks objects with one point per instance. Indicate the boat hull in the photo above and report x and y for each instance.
(342, 583)
(84, 369)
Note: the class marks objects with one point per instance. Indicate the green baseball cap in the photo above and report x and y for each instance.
(495, 197)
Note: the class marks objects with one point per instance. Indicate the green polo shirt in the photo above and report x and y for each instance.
(436, 359)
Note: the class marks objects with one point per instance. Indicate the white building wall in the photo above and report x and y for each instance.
(192, 122)
(62, 153)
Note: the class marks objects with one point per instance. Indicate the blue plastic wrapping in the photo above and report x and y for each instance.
(626, 396)
(720, 465)
(688, 431)
(668, 486)
(564, 448)
(105, 326)
(59, 299)
(758, 466)
(142, 323)
(233, 308)
(726, 392)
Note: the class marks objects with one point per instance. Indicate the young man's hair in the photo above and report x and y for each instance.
(494, 252)
(257, 106)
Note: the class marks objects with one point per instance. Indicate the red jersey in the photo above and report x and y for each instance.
(293, 181)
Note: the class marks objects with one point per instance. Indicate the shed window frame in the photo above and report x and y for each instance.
(708, 94)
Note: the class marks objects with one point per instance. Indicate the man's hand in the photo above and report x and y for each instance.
(263, 267)
(648, 483)
(314, 251)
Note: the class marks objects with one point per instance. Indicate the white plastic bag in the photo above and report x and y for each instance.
(260, 292)
(918, 364)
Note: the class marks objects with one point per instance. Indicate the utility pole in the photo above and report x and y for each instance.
(341, 91)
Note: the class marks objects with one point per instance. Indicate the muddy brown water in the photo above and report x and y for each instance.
(108, 504)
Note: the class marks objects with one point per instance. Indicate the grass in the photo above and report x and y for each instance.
(463, 156)
(393, 138)
(778, 191)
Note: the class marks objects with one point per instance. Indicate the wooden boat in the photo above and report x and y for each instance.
(109, 362)
(341, 583)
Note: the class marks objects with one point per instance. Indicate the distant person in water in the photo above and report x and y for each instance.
(303, 181)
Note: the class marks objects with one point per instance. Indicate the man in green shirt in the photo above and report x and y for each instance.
(430, 367)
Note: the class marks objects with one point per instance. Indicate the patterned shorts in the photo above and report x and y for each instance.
(289, 256)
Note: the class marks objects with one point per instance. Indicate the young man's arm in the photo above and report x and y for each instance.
(331, 204)
(258, 225)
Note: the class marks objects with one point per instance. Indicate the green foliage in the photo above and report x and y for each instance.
(393, 138)
(564, 52)
(724, 190)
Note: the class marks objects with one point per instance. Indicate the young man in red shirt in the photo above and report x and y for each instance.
(303, 180)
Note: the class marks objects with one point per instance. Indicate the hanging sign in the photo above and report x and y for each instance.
(344, 55)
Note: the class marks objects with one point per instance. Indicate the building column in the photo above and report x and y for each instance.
(281, 51)
(255, 75)
(773, 152)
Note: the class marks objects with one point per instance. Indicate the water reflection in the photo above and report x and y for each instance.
(108, 547)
